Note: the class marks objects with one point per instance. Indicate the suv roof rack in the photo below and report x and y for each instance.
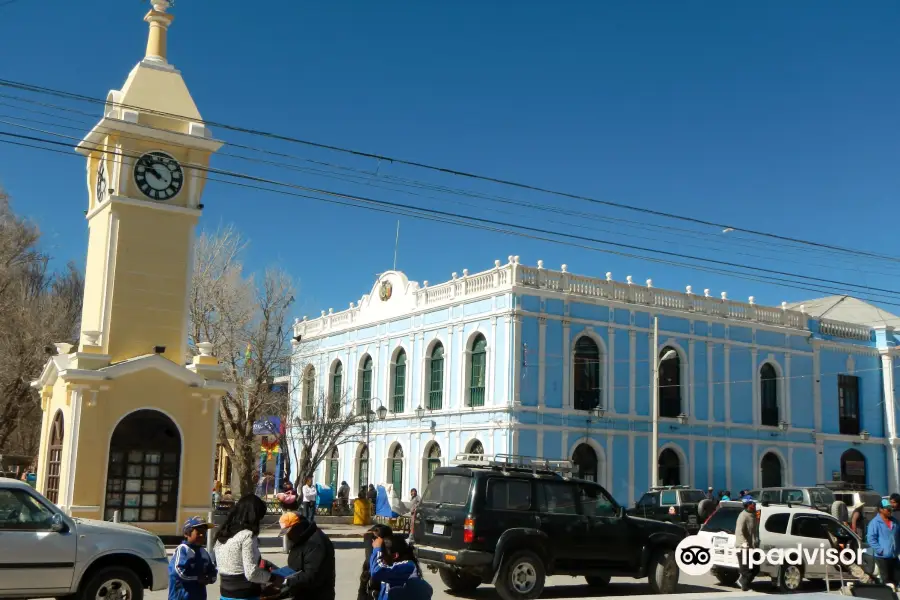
(846, 486)
(657, 488)
(766, 503)
(514, 462)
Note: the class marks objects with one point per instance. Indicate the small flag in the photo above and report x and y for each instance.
(248, 354)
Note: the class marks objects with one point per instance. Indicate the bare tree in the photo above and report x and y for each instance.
(314, 427)
(245, 321)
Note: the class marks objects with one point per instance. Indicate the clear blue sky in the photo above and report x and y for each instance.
(772, 115)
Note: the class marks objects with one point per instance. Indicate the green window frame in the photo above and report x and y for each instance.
(309, 395)
(399, 396)
(434, 461)
(337, 381)
(477, 371)
(332, 468)
(363, 474)
(365, 385)
(397, 470)
(436, 378)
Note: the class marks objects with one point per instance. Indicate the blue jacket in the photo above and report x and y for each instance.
(190, 571)
(398, 581)
(884, 540)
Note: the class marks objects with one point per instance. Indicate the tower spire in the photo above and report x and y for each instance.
(159, 21)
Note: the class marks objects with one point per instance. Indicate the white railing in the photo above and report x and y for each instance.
(514, 274)
(845, 330)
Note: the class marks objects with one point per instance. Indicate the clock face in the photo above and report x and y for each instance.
(101, 181)
(158, 176)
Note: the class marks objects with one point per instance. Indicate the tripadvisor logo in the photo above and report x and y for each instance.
(694, 555)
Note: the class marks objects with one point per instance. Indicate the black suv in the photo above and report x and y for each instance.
(513, 521)
(675, 503)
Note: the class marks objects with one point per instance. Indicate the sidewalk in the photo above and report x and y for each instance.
(268, 535)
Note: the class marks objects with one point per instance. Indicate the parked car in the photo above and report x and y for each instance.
(45, 553)
(679, 504)
(780, 526)
(514, 521)
(816, 496)
(851, 494)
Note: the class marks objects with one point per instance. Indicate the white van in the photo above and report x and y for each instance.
(45, 553)
(780, 526)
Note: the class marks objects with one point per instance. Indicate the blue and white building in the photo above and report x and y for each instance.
(527, 360)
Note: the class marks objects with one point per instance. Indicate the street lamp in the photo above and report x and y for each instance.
(864, 435)
(370, 414)
(654, 408)
(420, 413)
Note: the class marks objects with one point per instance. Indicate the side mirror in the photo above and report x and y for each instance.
(620, 512)
(58, 525)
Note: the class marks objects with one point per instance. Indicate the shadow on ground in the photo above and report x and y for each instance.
(576, 590)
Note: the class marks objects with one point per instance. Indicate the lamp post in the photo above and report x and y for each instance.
(654, 407)
(370, 414)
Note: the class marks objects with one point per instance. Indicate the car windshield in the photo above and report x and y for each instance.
(692, 496)
(820, 497)
(447, 489)
(723, 520)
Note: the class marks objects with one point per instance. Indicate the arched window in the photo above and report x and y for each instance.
(433, 461)
(362, 468)
(309, 395)
(337, 390)
(54, 458)
(365, 386)
(436, 378)
(585, 461)
(669, 467)
(475, 448)
(397, 469)
(853, 467)
(144, 469)
(477, 370)
(669, 383)
(587, 374)
(770, 468)
(332, 466)
(398, 397)
(768, 389)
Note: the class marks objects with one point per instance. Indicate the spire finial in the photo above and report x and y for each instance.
(159, 21)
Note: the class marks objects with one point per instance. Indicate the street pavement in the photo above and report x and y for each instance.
(349, 555)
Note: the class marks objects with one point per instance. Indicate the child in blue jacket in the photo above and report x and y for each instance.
(192, 568)
(393, 564)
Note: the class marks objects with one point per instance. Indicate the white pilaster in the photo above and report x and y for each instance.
(631, 469)
(692, 463)
(754, 374)
(609, 467)
(567, 365)
(565, 446)
(72, 432)
(786, 387)
(817, 399)
(449, 358)
(542, 360)
(492, 357)
(890, 416)
(506, 371)
(692, 410)
(789, 472)
(710, 390)
(517, 352)
(727, 384)
(710, 473)
(728, 464)
(540, 443)
(632, 380)
(609, 364)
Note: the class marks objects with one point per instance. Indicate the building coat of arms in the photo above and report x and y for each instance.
(385, 292)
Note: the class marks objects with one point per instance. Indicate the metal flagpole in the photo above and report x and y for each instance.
(396, 244)
(654, 407)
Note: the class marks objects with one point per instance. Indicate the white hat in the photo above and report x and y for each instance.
(858, 505)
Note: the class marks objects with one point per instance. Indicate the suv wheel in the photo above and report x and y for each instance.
(113, 583)
(726, 576)
(459, 582)
(790, 577)
(521, 576)
(597, 581)
(662, 574)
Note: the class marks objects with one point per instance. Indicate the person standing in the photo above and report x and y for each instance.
(858, 520)
(393, 564)
(414, 499)
(895, 502)
(192, 568)
(343, 496)
(746, 537)
(309, 494)
(242, 571)
(311, 556)
(883, 536)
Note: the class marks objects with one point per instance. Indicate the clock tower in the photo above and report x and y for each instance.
(118, 408)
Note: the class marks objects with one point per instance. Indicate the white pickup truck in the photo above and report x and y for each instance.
(45, 553)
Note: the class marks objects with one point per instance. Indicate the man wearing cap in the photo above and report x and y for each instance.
(192, 568)
(746, 537)
(311, 556)
(883, 536)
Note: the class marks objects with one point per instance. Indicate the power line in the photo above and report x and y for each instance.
(474, 222)
(455, 172)
(362, 177)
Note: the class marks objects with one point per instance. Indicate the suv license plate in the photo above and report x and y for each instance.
(719, 542)
(692, 519)
(438, 529)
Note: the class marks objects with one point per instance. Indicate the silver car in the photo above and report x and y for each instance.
(44, 552)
